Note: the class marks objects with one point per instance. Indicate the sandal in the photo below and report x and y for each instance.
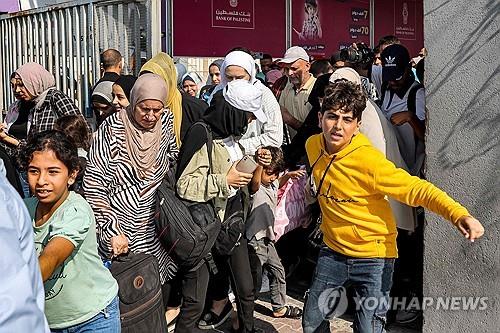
(171, 324)
(291, 312)
(210, 320)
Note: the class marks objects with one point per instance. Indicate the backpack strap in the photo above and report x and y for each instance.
(209, 260)
(411, 102)
(383, 89)
(210, 142)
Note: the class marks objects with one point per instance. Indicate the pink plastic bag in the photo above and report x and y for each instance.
(291, 211)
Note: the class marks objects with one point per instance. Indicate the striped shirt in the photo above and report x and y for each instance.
(122, 201)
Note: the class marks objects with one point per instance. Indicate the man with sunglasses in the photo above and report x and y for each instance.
(351, 180)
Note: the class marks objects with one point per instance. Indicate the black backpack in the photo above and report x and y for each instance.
(186, 229)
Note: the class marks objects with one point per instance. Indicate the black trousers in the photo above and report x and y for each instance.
(193, 286)
(236, 270)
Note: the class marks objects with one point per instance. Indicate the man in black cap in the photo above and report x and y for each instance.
(403, 103)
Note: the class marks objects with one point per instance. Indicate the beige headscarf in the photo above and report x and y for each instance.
(36, 79)
(143, 144)
(163, 65)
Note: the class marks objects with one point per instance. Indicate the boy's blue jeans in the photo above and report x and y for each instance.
(106, 321)
(371, 279)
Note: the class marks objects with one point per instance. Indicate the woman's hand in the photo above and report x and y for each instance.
(471, 228)
(119, 244)
(237, 179)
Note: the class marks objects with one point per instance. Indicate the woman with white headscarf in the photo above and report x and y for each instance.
(231, 111)
(241, 65)
(129, 157)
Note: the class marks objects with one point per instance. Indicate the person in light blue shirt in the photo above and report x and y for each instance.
(21, 287)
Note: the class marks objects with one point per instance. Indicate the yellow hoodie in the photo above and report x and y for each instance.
(357, 218)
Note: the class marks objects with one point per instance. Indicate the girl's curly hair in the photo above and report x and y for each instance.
(64, 149)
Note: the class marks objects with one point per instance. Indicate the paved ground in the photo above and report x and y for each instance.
(296, 286)
(268, 324)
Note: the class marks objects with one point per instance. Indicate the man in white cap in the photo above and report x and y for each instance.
(293, 99)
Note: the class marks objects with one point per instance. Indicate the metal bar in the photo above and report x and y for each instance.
(29, 44)
(70, 59)
(24, 51)
(19, 43)
(63, 64)
(137, 42)
(126, 54)
(121, 28)
(36, 40)
(43, 46)
(109, 30)
(78, 60)
(56, 47)
(86, 41)
(50, 46)
(9, 55)
(96, 23)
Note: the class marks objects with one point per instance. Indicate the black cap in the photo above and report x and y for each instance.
(395, 59)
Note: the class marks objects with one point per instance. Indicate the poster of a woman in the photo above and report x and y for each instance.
(311, 27)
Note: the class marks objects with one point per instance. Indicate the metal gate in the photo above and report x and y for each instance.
(67, 39)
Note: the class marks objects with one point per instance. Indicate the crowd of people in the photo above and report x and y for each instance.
(351, 128)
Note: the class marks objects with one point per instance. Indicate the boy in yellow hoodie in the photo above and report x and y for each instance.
(351, 179)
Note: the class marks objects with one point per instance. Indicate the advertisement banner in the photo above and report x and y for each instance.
(403, 19)
(405, 16)
(322, 27)
(210, 28)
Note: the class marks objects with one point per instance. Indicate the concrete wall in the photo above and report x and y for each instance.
(462, 80)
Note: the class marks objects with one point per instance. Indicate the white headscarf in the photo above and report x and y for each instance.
(235, 58)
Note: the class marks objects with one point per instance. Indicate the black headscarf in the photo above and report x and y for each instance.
(126, 82)
(192, 110)
(224, 119)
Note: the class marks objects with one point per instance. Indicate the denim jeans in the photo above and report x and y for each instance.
(106, 321)
(371, 279)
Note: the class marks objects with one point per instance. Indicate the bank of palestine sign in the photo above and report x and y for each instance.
(233, 14)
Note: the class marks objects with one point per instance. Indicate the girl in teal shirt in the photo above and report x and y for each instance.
(80, 293)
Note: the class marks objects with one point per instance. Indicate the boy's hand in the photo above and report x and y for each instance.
(263, 157)
(471, 228)
(296, 174)
(401, 118)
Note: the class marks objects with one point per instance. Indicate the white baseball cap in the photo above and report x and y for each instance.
(293, 54)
